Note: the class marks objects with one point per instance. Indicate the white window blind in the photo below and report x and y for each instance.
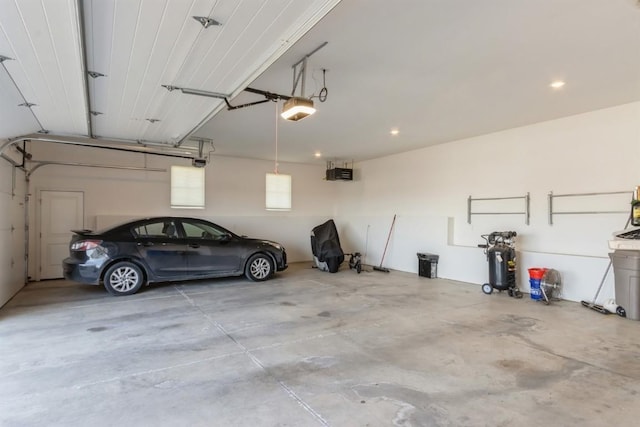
(187, 187)
(278, 194)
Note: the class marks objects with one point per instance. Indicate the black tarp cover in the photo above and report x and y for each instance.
(325, 245)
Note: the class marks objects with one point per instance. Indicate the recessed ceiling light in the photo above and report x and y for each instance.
(318, 154)
(394, 131)
(557, 84)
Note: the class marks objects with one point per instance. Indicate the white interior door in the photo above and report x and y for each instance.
(60, 212)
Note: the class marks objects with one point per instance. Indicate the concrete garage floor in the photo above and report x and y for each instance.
(312, 349)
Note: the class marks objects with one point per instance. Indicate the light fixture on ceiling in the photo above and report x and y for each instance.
(557, 84)
(297, 108)
(317, 154)
(202, 160)
(394, 131)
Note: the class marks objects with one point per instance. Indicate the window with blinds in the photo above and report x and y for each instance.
(187, 187)
(278, 192)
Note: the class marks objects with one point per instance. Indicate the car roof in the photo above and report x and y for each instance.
(134, 221)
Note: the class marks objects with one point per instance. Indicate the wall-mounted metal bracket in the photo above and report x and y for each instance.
(301, 73)
(525, 198)
(552, 196)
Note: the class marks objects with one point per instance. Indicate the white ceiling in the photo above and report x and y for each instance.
(438, 70)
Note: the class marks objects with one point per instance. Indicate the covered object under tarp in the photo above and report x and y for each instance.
(325, 245)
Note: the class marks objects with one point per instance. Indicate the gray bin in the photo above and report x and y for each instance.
(626, 271)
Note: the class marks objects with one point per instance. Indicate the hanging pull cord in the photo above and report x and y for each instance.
(322, 96)
(276, 161)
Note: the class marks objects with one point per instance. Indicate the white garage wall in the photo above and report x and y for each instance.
(428, 190)
(12, 196)
(235, 193)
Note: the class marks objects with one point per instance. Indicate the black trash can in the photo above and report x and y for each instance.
(427, 265)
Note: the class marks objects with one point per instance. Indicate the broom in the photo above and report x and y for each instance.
(592, 304)
(380, 267)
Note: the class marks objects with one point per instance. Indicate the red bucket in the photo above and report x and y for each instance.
(537, 273)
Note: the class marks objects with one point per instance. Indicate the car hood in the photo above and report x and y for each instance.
(263, 242)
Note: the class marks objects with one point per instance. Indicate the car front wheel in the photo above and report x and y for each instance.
(123, 278)
(259, 268)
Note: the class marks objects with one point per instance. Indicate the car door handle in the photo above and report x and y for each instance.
(194, 245)
(145, 244)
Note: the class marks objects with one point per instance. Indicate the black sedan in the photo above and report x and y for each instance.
(125, 257)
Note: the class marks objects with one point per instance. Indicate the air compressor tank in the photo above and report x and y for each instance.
(502, 266)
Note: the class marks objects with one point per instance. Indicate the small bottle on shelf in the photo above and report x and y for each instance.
(635, 208)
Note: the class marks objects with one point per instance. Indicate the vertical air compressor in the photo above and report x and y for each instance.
(500, 249)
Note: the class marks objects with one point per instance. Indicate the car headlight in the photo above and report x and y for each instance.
(278, 246)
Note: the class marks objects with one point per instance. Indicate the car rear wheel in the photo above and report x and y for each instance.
(259, 268)
(123, 278)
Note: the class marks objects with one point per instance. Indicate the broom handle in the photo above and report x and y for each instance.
(388, 237)
(366, 245)
(604, 277)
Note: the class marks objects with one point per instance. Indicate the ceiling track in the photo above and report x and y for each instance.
(83, 62)
(38, 164)
(139, 147)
